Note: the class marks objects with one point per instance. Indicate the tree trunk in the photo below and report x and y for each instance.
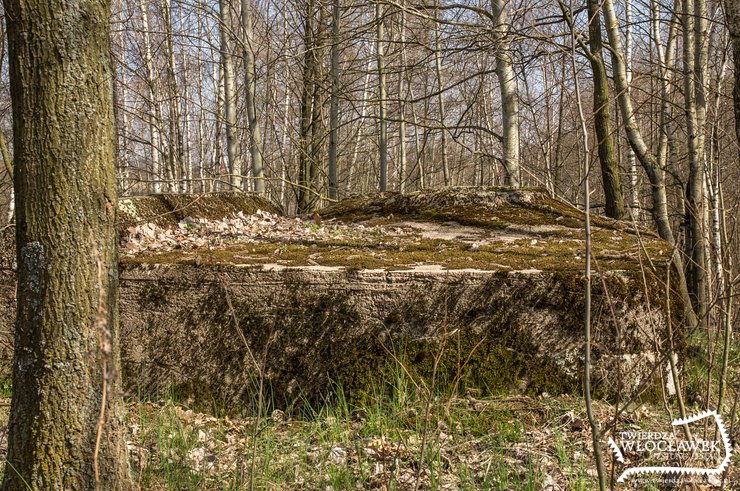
(227, 67)
(382, 104)
(306, 156)
(334, 103)
(693, 99)
(441, 99)
(186, 178)
(402, 94)
(631, 160)
(218, 152)
(66, 417)
(175, 153)
(255, 136)
(154, 111)
(655, 174)
(732, 19)
(7, 160)
(602, 119)
(665, 62)
(360, 125)
(509, 94)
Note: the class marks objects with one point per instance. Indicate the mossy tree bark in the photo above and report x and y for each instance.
(610, 176)
(66, 346)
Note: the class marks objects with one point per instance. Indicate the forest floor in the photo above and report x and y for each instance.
(506, 443)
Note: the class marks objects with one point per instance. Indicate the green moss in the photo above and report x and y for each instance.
(548, 254)
(495, 208)
(311, 342)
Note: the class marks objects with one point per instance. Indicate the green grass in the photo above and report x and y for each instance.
(469, 444)
(6, 389)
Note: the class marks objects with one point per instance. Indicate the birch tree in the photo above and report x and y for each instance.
(509, 93)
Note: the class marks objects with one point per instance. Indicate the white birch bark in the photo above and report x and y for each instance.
(509, 94)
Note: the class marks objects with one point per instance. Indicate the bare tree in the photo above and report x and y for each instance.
(382, 96)
(334, 99)
(655, 174)
(732, 18)
(227, 68)
(255, 137)
(610, 176)
(155, 111)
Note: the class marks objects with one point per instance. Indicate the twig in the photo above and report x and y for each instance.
(101, 320)
(430, 399)
(260, 374)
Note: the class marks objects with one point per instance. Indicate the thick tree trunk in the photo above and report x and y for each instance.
(255, 136)
(509, 95)
(66, 418)
(612, 181)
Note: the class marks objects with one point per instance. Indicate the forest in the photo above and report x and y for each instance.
(542, 139)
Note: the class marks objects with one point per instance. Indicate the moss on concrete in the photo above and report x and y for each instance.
(312, 341)
(547, 254)
(519, 229)
(495, 207)
(313, 338)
